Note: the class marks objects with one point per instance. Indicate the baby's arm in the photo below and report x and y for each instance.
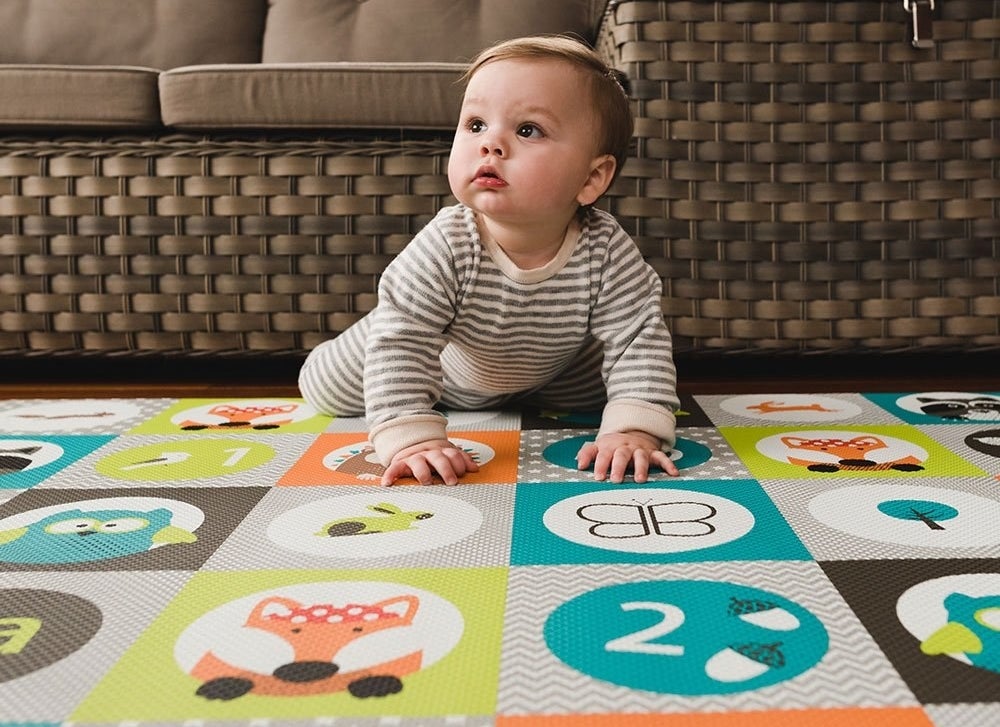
(423, 460)
(418, 294)
(612, 453)
(638, 423)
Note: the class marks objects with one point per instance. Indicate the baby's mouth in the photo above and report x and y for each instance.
(488, 177)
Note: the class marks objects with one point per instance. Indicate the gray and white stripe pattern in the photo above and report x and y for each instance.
(454, 325)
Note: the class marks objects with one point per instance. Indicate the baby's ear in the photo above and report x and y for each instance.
(602, 171)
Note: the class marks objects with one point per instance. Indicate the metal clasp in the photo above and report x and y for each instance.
(921, 22)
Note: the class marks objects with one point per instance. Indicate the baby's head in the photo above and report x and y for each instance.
(606, 85)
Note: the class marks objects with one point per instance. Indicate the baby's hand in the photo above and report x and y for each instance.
(619, 450)
(422, 461)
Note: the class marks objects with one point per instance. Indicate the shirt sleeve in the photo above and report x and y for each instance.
(402, 380)
(638, 367)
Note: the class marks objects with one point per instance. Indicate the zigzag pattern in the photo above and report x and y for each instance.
(853, 672)
(242, 531)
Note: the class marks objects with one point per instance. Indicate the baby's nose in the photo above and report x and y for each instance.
(491, 149)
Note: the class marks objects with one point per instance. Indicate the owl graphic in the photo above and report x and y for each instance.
(78, 536)
(973, 629)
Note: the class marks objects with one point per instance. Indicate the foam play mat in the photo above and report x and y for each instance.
(822, 559)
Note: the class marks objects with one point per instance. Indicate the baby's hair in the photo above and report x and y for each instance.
(608, 85)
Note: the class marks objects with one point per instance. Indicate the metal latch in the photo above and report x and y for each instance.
(921, 22)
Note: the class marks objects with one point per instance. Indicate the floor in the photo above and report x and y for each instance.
(822, 559)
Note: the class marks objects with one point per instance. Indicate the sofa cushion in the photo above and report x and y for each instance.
(66, 97)
(312, 95)
(413, 30)
(152, 33)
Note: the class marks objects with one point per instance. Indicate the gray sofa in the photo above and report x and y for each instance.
(208, 178)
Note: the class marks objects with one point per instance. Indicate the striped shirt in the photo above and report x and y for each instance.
(454, 311)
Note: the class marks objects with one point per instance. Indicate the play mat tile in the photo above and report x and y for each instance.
(821, 559)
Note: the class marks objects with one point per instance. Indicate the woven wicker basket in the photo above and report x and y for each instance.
(803, 179)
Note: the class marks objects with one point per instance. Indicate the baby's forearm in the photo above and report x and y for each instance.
(397, 434)
(635, 415)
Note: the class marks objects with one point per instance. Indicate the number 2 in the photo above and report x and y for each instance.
(638, 642)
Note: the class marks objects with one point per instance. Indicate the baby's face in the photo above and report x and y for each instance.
(526, 140)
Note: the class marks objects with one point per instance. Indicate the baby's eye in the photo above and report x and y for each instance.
(476, 126)
(529, 131)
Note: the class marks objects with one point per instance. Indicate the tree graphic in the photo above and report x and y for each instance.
(926, 511)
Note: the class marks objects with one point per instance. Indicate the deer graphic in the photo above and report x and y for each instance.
(772, 407)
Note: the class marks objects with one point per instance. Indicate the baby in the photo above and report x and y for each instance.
(520, 293)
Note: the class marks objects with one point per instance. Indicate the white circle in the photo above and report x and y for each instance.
(648, 520)
(68, 414)
(854, 510)
(400, 530)
(790, 407)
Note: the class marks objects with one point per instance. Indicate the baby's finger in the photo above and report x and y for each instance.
(444, 467)
(640, 465)
(586, 455)
(393, 472)
(420, 469)
(619, 464)
(461, 460)
(601, 464)
(663, 461)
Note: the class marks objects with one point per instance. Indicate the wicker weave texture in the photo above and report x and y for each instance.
(203, 244)
(802, 179)
(805, 178)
